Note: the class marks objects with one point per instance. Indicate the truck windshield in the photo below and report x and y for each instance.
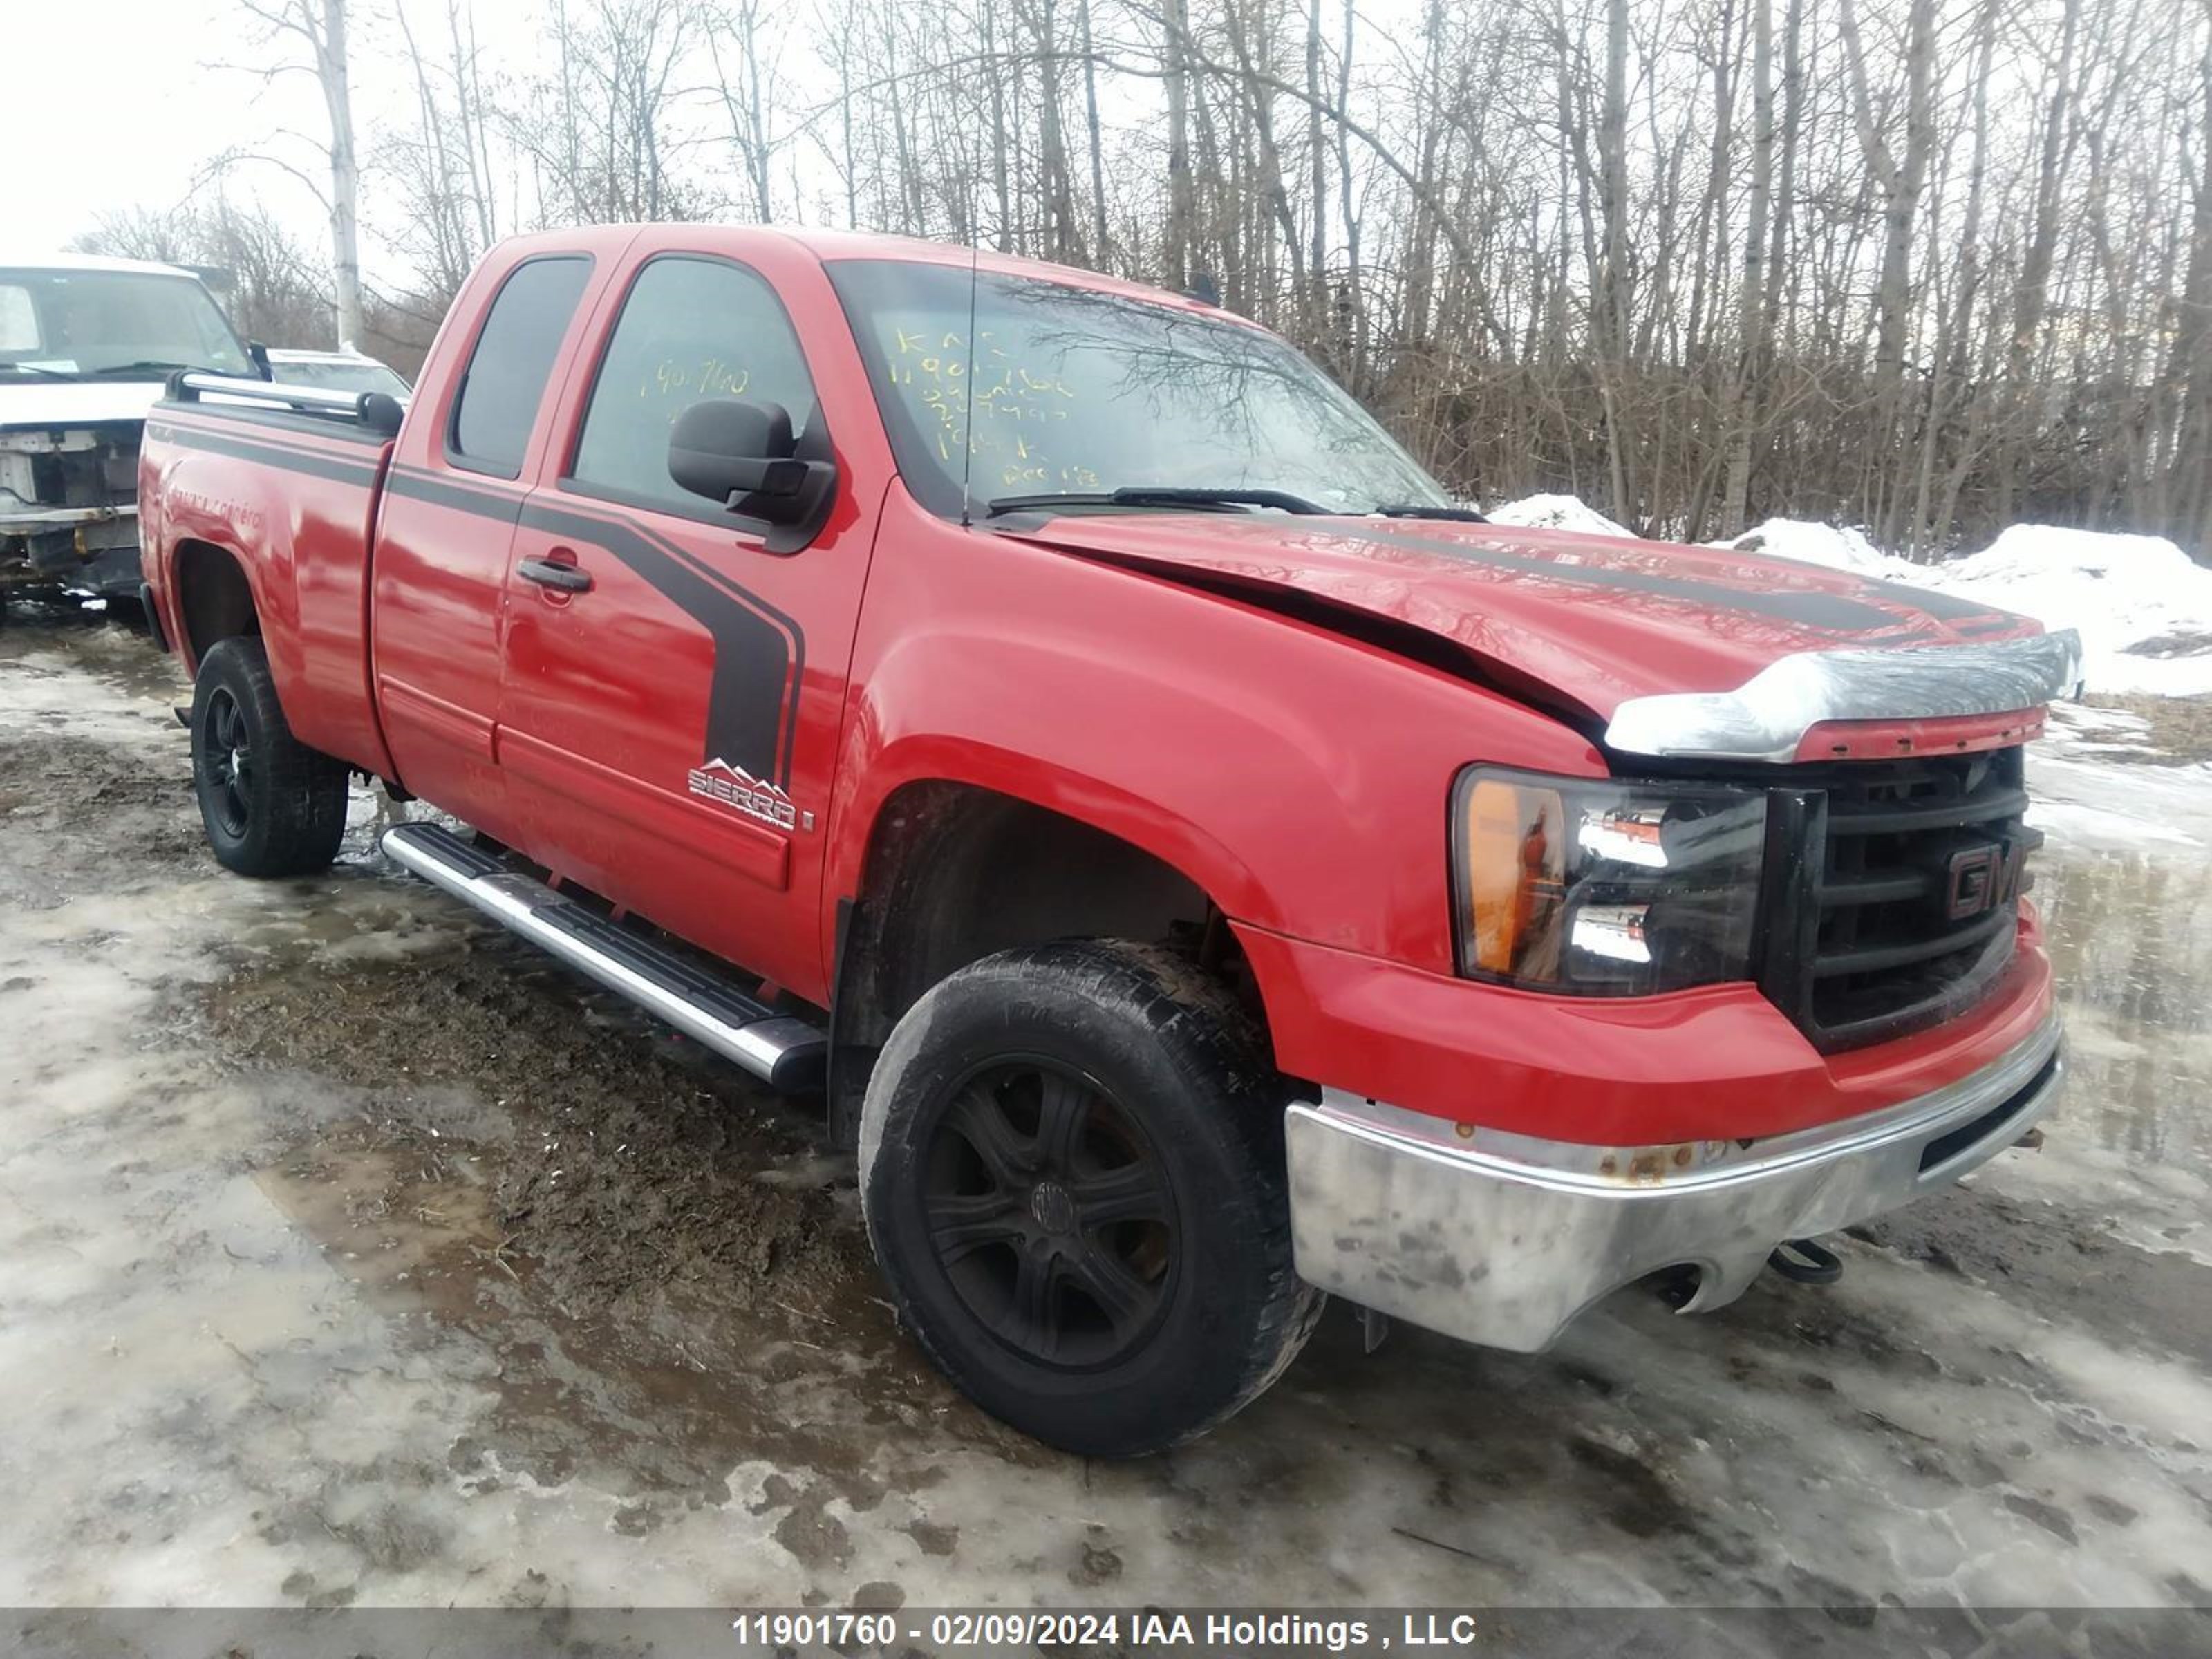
(1080, 392)
(84, 322)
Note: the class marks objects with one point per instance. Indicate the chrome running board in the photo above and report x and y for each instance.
(785, 1052)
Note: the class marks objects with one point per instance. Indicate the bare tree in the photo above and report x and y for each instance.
(274, 288)
(317, 28)
(750, 104)
(1925, 264)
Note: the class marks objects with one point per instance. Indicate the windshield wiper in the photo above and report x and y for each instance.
(1157, 496)
(153, 365)
(1416, 510)
(1153, 496)
(38, 369)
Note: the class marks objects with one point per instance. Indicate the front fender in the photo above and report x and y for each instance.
(1300, 779)
(921, 720)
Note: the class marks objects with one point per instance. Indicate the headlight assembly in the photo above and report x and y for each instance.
(1597, 888)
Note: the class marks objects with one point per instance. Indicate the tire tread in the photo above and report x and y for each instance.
(1219, 1050)
(306, 804)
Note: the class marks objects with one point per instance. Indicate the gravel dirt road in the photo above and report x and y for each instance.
(356, 1255)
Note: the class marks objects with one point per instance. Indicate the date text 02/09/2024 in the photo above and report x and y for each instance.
(987, 1630)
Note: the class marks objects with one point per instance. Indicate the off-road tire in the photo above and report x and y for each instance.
(288, 813)
(1175, 1062)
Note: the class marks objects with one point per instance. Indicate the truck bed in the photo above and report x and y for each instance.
(292, 496)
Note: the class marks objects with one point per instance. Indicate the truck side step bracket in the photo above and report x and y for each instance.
(785, 1052)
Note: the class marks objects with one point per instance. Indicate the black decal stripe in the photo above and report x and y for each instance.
(336, 427)
(760, 652)
(754, 695)
(792, 637)
(437, 491)
(1947, 607)
(340, 469)
(1832, 611)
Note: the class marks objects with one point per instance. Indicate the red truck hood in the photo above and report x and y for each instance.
(1593, 619)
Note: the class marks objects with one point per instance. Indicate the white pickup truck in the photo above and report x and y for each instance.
(85, 345)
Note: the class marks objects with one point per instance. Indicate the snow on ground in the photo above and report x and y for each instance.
(1839, 547)
(1557, 512)
(2083, 800)
(2143, 606)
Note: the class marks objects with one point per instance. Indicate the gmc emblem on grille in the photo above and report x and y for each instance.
(1983, 878)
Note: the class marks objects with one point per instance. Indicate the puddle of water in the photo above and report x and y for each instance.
(2125, 884)
(411, 1230)
(2131, 939)
(45, 639)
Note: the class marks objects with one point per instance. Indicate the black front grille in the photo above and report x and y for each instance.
(1891, 889)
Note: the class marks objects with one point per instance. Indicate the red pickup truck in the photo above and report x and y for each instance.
(1199, 866)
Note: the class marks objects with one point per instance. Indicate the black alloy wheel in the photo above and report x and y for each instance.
(1049, 1213)
(229, 762)
(1072, 1169)
(271, 806)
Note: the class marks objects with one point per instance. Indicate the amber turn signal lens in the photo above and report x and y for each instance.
(1515, 875)
(1603, 886)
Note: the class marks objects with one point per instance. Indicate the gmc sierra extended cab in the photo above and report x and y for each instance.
(1199, 868)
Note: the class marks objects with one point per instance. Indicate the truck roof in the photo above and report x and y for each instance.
(831, 246)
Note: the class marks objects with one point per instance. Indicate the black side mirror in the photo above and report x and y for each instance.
(743, 455)
(381, 413)
(257, 355)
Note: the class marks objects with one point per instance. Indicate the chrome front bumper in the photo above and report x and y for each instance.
(1502, 1239)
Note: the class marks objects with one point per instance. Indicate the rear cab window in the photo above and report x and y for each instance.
(504, 385)
(691, 327)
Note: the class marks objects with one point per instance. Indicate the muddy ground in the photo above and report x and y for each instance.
(353, 1255)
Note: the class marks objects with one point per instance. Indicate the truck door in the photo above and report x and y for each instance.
(672, 689)
(443, 536)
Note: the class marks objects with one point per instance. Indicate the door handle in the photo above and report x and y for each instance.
(551, 572)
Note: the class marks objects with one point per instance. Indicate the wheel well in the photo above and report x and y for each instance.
(955, 874)
(217, 599)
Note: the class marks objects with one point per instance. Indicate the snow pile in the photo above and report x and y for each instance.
(2142, 606)
(1839, 547)
(1557, 512)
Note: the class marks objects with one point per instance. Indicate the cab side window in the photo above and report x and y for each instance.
(511, 363)
(691, 329)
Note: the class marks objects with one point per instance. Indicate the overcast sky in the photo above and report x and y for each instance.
(109, 108)
(132, 112)
(125, 105)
